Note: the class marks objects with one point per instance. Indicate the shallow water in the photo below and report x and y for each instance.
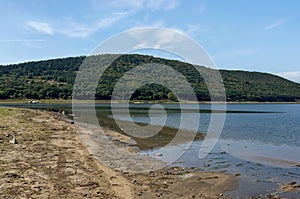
(260, 143)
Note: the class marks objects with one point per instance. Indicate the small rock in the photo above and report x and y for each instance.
(13, 140)
(12, 175)
(292, 183)
(159, 154)
(140, 193)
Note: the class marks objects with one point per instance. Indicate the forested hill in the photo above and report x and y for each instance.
(53, 79)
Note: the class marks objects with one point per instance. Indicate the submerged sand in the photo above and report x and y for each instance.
(49, 160)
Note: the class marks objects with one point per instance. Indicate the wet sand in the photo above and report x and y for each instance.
(50, 161)
(161, 139)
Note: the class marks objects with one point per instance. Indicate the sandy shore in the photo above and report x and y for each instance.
(50, 161)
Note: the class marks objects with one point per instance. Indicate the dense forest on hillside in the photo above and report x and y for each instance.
(54, 79)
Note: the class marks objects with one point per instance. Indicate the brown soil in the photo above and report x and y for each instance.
(50, 161)
(291, 187)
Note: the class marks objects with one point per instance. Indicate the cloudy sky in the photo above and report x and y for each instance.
(248, 35)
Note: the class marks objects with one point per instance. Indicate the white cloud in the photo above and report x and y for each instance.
(81, 30)
(170, 41)
(22, 40)
(121, 9)
(163, 39)
(294, 76)
(136, 5)
(275, 24)
(74, 29)
(202, 8)
(42, 27)
(161, 4)
(236, 53)
(32, 43)
(190, 30)
(193, 29)
(140, 24)
(131, 7)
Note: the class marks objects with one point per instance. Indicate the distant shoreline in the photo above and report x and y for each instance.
(62, 101)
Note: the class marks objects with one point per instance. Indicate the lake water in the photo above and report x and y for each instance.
(259, 142)
(276, 124)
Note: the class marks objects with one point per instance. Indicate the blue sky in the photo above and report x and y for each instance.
(248, 35)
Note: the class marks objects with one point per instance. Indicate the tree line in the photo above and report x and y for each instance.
(54, 79)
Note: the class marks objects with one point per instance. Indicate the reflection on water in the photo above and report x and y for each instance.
(275, 124)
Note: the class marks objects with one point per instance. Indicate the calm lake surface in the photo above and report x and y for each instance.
(259, 142)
